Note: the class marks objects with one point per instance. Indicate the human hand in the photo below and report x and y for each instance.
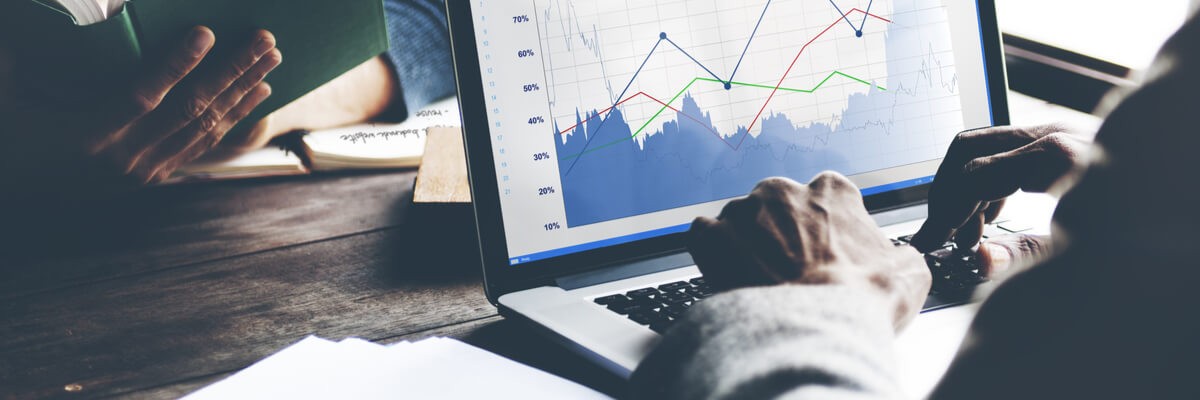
(171, 114)
(360, 94)
(982, 168)
(815, 234)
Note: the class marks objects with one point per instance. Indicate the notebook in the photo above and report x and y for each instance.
(356, 147)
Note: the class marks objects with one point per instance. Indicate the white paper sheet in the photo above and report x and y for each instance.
(316, 368)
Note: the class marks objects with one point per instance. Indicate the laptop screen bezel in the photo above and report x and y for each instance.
(500, 277)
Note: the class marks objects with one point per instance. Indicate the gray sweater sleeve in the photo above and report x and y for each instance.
(1111, 315)
(775, 342)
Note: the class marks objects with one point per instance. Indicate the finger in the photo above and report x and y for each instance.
(702, 242)
(993, 210)
(204, 133)
(946, 214)
(148, 92)
(719, 255)
(976, 143)
(192, 104)
(969, 234)
(200, 147)
(1032, 168)
(1003, 252)
(951, 198)
(769, 231)
(830, 183)
(235, 116)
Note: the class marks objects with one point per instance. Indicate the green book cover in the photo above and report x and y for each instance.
(319, 39)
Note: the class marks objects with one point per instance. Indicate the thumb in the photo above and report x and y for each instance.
(1001, 253)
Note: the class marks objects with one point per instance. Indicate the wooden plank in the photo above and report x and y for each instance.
(166, 227)
(443, 174)
(121, 335)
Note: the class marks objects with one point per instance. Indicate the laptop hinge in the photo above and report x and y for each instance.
(624, 271)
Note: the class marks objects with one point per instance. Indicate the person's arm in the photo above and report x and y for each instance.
(1112, 315)
(820, 343)
(416, 70)
(825, 330)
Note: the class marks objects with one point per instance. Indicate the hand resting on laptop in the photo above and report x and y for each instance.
(815, 234)
(820, 233)
(981, 169)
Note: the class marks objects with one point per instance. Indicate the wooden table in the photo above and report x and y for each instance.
(158, 293)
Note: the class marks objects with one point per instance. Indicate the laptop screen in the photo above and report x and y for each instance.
(616, 121)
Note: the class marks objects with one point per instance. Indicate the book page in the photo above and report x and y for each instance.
(375, 145)
(269, 161)
(87, 12)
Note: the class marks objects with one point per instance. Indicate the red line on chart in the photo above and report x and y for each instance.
(793, 64)
(765, 103)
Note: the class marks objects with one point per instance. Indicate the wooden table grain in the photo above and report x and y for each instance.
(157, 293)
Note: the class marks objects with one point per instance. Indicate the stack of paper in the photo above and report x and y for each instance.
(441, 368)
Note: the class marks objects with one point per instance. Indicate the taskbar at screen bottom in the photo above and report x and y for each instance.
(562, 251)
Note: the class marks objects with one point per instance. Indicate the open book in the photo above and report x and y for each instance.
(87, 12)
(364, 146)
(89, 49)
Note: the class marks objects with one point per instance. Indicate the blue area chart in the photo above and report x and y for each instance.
(609, 173)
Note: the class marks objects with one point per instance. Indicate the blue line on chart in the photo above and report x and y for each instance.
(743, 56)
(663, 36)
(864, 21)
(858, 30)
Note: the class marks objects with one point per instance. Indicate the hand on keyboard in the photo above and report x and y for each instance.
(815, 234)
(985, 166)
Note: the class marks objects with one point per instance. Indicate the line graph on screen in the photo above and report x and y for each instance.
(670, 104)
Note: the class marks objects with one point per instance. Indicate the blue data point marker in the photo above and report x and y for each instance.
(728, 85)
(662, 35)
(858, 33)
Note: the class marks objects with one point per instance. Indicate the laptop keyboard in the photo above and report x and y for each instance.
(955, 276)
(657, 307)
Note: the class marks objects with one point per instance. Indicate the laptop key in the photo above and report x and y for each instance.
(673, 286)
(641, 318)
(676, 297)
(697, 281)
(642, 293)
(606, 300)
(649, 304)
(625, 307)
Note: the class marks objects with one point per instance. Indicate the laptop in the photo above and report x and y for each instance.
(597, 131)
